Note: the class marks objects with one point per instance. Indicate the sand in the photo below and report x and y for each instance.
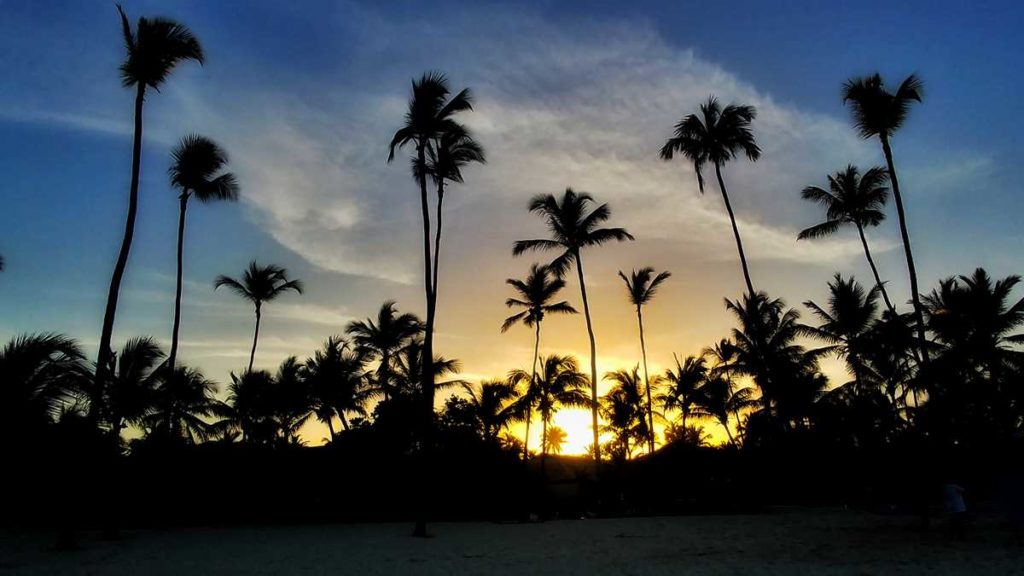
(806, 542)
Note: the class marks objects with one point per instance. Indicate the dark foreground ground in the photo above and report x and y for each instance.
(805, 542)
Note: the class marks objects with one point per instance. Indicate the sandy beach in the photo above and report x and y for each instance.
(784, 542)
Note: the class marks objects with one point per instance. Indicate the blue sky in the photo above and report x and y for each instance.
(305, 96)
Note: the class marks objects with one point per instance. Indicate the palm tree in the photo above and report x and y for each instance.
(40, 374)
(197, 162)
(249, 407)
(573, 227)
(624, 408)
(683, 384)
(383, 339)
(133, 389)
(878, 112)
(718, 399)
(430, 114)
(846, 323)
(554, 440)
(852, 199)
(259, 284)
(407, 369)
(641, 288)
(534, 296)
(716, 135)
(493, 405)
(723, 354)
(188, 399)
(153, 50)
(450, 152)
(558, 384)
(335, 382)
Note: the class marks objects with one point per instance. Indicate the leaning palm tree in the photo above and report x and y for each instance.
(716, 135)
(534, 296)
(430, 114)
(259, 284)
(196, 171)
(153, 50)
(878, 112)
(641, 288)
(852, 199)
(573, 227)
(559, 384)
(382, 339)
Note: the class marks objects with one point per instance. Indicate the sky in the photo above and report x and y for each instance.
(305, 97)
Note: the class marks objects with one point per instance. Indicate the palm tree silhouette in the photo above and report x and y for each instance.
(554, 440)
(197, 162)
(40, 375)
(574, 227)
(132, 391)
(153, 50)
(493, 405)
(534, 296)
(852, 199)
(259, 284)
(335, 382)
(684, 382)
(846, 323)
(407, 369)
(383, 339)
(723, 354)
(450, 152)
(878, 112)
(429, 116)
(716, 135)
(641, 288)
(623, 407)
(558, 384)
(188, 400)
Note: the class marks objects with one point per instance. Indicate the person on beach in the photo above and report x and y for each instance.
(956, 509)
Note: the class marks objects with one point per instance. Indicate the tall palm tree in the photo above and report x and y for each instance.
(259, 284)
(493, 405)
(382, 339)
(430, 114)
(641, 287)
(878, 112)
(573, 227)
(133, 389)
(534, 296)
(559, 384)
(852, 199)
(716, 135)
(195, 171)
(155, 47)
(624, 408)
(684, 382)
(450, 152)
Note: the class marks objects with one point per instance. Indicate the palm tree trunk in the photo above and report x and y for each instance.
(255, 338)
(344, 420)
(647, 380)
(911, 270)
(437, 237)
(103, 358)
(543, 445)
(383, 377)
(182, 206)
(593, 361)
(529, 392)
(427, 376)
(735, 230)
(874, 270)
(725, 425)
